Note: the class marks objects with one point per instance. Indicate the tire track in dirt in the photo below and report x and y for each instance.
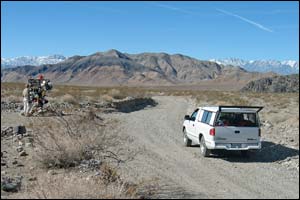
(182, 172)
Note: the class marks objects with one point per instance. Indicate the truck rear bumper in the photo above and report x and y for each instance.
(233, 146)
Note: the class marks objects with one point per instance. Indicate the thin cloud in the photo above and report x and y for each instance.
(175, 9)
(246, 20)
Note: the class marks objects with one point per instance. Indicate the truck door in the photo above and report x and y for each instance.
(191, 125)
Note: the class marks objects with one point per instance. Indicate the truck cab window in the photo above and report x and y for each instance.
(193, 116)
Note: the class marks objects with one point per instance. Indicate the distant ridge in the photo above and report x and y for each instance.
(281, 67)
(115, 68)
(287, 83)
(31, 60)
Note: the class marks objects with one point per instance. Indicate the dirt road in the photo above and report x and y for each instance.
(182, 172)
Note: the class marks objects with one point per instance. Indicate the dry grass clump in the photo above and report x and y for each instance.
(69, 99)
(65, 142)
(116, 94)
(105, 98)
(59, 149)
(14, 89)
(75, 94)
(221, 98)
(13, 99)
(69, 185)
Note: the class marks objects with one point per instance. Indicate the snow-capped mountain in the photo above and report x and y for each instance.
(280, 67)
(31, 60)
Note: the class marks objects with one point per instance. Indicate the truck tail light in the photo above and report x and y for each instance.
(259, 132)
(212, 132)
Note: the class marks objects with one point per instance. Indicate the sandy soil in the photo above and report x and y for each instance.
(182, 172)
(178, 171)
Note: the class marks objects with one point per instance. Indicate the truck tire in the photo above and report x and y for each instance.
(187, 142)
(203, 149)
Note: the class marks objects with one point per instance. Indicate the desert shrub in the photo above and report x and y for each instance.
(105, 98)
(14, 98)
(109, 174)
(116, 94)
(71, 186)
(90, 99)
(221, 98)
(57, 149)
(69, 99)
(64, 143)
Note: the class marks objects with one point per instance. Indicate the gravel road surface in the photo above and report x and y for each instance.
(181, 172)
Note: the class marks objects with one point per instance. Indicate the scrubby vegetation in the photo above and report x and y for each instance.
(84, 153)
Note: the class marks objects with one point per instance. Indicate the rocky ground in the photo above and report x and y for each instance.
(272, 172)
(21, 172)
(152, 129)
(287, 83)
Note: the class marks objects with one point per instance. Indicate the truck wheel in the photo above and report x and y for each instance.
(203, 149)
(187, 142)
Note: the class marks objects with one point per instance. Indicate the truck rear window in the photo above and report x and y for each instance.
(237, 119)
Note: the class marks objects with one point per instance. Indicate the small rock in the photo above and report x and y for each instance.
(16, 129)
(30, 140)
(32, 178)
(28, 144)
(26, 135)
(18, 178)
(51, 172)
(23, 153)
(98, 173)
(15, 162)
(19, 130)
(7, 131)
(20, 143)
(3, 163)
(9, 187)
(19, 149)
(20, 165)
(3, 173)
(11, 184)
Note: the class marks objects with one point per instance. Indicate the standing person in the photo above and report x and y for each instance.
(26, 101)
(41, 77)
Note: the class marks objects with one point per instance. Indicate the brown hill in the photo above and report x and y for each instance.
(116, 68)
(287, 83)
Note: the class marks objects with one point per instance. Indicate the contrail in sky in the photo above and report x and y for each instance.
(175, 9)
(245, 20)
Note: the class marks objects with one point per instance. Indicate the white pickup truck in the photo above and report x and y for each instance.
(223, 127)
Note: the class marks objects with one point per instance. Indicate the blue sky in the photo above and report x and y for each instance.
(204, 30)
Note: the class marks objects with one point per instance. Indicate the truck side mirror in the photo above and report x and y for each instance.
(187, 117)
(192, 118)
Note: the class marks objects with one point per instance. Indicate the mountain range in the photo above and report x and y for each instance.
(280, 67)
(31, 60)
(115, 68)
